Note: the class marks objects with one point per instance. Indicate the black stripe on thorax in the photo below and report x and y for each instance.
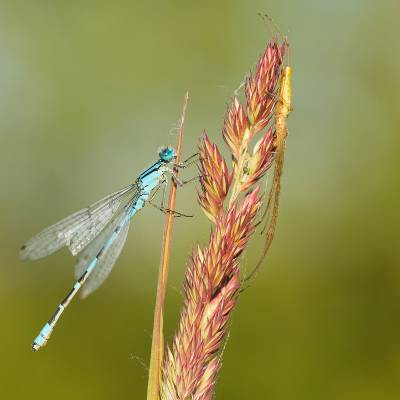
(155, 167)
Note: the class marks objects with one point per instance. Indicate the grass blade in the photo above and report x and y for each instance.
(157, 345)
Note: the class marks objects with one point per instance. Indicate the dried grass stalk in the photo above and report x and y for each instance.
(157, 344)
(212, 281)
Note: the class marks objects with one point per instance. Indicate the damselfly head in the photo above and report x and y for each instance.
(166, 153)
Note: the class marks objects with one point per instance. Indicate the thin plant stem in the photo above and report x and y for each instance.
(157, 344)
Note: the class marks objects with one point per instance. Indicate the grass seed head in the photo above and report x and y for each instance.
(212, 280)
(211, 289)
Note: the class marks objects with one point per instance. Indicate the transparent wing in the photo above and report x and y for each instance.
(106, 262)
(96, 245)
(93, 225)
(77, 230)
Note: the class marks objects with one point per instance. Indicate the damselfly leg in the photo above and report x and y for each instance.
(188, 162)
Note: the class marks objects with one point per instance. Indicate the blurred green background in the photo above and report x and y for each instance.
(90, 89)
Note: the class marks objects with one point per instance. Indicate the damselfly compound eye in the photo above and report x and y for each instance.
(167, 153)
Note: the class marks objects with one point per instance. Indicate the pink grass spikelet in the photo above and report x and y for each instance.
(259, 162)
(235, 126)
(215, 179)
(260, 87)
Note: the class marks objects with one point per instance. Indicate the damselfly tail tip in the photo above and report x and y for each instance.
(42, 338)
(37, 344)
(35, 347)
